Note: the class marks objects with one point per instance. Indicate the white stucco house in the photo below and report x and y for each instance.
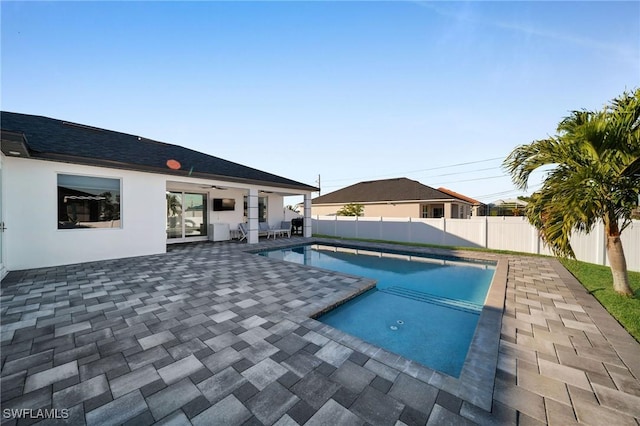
(73, 193)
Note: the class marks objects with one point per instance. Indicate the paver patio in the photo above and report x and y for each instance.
(210, 334)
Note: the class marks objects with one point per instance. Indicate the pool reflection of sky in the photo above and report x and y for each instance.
(435, 335)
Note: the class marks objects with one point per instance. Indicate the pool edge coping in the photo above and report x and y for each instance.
(475, 384)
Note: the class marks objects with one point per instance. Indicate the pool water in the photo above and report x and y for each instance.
(424, 309)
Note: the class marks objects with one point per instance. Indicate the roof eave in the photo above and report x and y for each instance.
(433, 200)
(148, 169)
(14, 144)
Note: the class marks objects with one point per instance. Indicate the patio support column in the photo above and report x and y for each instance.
(307, 231)
(447, 210)
(252, 211)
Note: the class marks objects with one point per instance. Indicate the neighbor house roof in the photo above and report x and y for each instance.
(510, 202)
(460, 196)
(398, 189)
(53, 139)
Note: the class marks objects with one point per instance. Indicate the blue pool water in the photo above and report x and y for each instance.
(423, 309)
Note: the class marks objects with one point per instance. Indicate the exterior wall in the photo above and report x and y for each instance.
(275, 212)
(413, 210)
(392, 210)
(233, 218)
(3, 263)
(32, 238)
(324, 210)
(372, 210)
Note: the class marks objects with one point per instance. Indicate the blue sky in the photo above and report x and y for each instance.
(439, 92)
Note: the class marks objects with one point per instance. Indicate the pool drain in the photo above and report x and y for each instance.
(393, 327)
(400, 322)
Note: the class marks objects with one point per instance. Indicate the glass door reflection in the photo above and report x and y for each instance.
(174, 215)
(186, 215)
(195, 215)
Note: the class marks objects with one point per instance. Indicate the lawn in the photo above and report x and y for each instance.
(599, 282)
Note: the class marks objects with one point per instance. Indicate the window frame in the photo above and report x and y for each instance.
(82, 175)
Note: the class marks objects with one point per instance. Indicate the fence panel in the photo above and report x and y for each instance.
(510, 233)
(427, 230)
(398, 228)
(369, 228)
(499, 233)
(466, 232)
(631, 245)
(347, 227)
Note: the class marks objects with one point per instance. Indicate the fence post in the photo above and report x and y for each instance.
(535, 243)
(485, 230)
(444, 231)
(380, 229)
(356, 226)
(601, 255)
(335, 226)
(409, 231)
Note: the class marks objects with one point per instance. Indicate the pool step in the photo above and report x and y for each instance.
(436, 300)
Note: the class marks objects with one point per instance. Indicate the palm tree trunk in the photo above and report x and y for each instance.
(618, 264)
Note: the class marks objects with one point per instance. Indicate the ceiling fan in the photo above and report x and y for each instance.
(221, 188)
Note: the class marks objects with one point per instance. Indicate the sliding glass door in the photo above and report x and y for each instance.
(186, 216)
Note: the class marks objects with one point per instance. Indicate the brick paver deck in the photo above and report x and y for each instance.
(209, 334)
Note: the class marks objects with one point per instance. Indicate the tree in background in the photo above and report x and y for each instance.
(295, 209)
(351, 209)
(595, 157)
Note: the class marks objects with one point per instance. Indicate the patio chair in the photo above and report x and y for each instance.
(244, 232)
(284, 229)
(265, 230)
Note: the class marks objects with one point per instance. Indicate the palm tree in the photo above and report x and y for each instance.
(174, 204)
(595, 177)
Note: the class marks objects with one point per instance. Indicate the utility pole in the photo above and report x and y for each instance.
(318, 182)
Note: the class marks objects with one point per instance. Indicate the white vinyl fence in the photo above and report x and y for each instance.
(499, 233)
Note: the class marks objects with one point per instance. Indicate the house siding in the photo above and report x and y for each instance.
(32, 238)
(393, 210)
(399, 209)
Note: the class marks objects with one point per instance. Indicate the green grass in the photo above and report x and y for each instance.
(595, 278)
(599, 282)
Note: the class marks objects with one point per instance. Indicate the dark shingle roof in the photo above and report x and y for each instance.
(53, 139)
(398, 189)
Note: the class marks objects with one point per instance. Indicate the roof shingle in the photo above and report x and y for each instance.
(397, 189)
(54, 139)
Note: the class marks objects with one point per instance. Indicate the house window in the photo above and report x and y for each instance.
(88, 202)
(424, 211)
(262, 209)
(438, 212)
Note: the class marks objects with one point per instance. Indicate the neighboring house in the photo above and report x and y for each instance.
(477, 208)
(73, 193)
(399, 197)
(508, 207)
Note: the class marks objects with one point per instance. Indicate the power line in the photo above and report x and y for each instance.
(415, 171)
(463, 172)
(497, 194)
(472, 180)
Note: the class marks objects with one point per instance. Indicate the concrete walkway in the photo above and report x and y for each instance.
(209, 334)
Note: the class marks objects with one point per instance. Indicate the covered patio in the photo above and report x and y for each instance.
(209, 333)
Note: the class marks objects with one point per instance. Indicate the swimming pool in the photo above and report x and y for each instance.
(425, 309)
